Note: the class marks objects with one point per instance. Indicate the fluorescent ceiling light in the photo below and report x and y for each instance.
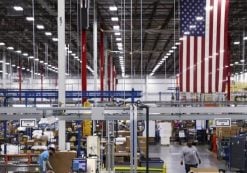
(41, 62)
(7, 63)
(40, 27)
(2, 43)
(168, 54)
(231, 64)
(181, 39)
(116, 27)
(25, 54)
(30, 57)
(73, 54)
(10, 48)
(114, 19)
(236, 42)
(69, 51)
(76, 57)
(119, 44)
(18, 51)
(23, 68)
(245, 38)
(199, 18)
(18, 8)
(242, 60)
(177, 43)
(36, 59)
(120, 48)
(54, 39)
(174, 47)
(236, 62)
(118, 39)
(48, 33)
(117, 33)
(13, 65)
(171, 51)
(113, 8)
(29, 19)
(45, 63)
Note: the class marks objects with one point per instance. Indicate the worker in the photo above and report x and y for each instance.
(43, 161)
(190, 157)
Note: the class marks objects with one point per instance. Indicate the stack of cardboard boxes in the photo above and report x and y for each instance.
(227, 132)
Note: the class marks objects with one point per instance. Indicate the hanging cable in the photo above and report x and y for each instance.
(141, 43)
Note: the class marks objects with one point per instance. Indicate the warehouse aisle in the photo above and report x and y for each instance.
(172, 157)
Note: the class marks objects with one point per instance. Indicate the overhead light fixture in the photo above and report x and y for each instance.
(23, 68)
(231, 64)
(25, 54)
(45, 63)
(2, 43)
(76, 57)
(30, 57)
(10, 48)
(168, 54)
(174, 47)
(69, 51)
(245, 38)
(242, 60)
(114, 19)
(18, 51)
(236, 43)
(29, 19)
(177, 43)
(48, 33)
(41, 62)
(113, 8)
(236, 62)
(171, 51)
(118, 39)
(40, 27)
(13, 65)
(7, 63)
(18, 8)
(49, 65)
(73, 54)
(181, 39)
(199, 18)
(120, 48)
(116, 27)
(54, 39)
(119, 44)
(36, 59)
(117, 33)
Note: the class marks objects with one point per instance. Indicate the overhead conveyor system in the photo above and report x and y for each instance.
(122, 113)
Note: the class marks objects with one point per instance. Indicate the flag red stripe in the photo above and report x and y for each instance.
(226, 55)
(181, 65)
(203, 66)
(211, 20)
(195, 65)
(218, 46)
(188, 66)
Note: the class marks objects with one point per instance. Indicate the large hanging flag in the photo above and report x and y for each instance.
(204, 45)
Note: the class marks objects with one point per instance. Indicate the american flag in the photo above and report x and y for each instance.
(204, 45)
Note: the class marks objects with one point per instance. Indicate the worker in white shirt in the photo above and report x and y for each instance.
(190, 157)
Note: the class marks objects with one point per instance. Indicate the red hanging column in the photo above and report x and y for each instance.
(102, 62)
(84, 63)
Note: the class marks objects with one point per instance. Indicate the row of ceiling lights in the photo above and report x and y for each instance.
(41, 27)
(117, 33)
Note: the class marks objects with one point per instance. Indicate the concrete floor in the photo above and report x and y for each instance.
(172, 157)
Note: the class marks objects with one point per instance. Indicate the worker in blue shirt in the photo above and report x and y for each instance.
(43, 161)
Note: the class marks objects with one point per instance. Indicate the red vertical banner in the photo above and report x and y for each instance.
(102, 62)
(84, 63)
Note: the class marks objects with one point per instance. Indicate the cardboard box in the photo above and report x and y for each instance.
(62, 161)
(204, 170)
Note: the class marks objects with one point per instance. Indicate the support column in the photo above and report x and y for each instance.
(84, 63)
(102, 62)
(4, 70)
(61, 69)
(20, 78)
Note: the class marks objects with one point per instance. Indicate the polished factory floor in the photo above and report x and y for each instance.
(172, 157)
